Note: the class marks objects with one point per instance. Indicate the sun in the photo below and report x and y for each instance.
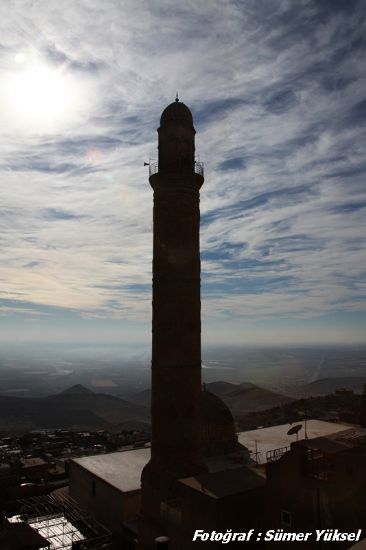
(41, 94)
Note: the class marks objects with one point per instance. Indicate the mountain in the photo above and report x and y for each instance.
(77, 407)
(220, 388)
(142, 398)
(240, 398)
(330, 385)
(247, 397)
(77, 389)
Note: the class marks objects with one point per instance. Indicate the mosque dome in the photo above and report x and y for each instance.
(176, 113)
(218, 429)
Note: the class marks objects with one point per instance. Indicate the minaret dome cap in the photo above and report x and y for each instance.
(176, 113)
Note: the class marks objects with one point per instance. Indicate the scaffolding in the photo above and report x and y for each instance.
(63, 523)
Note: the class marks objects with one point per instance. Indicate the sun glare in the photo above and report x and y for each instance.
(40, 94)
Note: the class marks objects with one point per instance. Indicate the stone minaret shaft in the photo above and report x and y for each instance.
(176, 341)
(176, 324)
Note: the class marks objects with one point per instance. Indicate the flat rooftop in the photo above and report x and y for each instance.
(225, 483)
(347, 440)
(264, 440)
(122, 469)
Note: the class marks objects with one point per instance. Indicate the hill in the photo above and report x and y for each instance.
(142, 398)
(220, 388)
(247, 397)
(76, 407)
(240, 398)
(330, 385)
(344, 407)
(78, 389)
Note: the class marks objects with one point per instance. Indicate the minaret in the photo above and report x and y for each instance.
(176, 319)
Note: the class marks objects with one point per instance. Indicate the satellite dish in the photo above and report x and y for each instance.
(294, 429)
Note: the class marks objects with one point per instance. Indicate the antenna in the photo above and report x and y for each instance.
(306, 433)
(295, 430)
(176, 97)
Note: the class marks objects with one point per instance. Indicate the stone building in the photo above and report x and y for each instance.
(115, 478)
(319, 484)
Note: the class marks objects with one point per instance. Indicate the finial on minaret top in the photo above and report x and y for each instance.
(176, 97)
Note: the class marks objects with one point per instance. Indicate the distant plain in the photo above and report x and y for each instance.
(37, 370)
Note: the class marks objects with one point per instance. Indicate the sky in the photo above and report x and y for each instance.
(278, 95)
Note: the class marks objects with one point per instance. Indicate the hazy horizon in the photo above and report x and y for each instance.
(33, 370)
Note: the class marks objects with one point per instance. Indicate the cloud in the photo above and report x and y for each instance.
(277, 94)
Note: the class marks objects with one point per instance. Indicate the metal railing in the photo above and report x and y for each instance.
(276, 454)
(154, 168)
(198, 168)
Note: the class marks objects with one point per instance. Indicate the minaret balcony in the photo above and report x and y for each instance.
(154, 168)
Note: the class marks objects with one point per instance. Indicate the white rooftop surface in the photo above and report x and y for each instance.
(59, 532)
(276, 437)
(121, 469)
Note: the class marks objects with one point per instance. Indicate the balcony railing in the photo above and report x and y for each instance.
(154, 168)
(198, 168)
(276, 454)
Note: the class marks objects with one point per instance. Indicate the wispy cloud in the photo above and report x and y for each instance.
(277, 92)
